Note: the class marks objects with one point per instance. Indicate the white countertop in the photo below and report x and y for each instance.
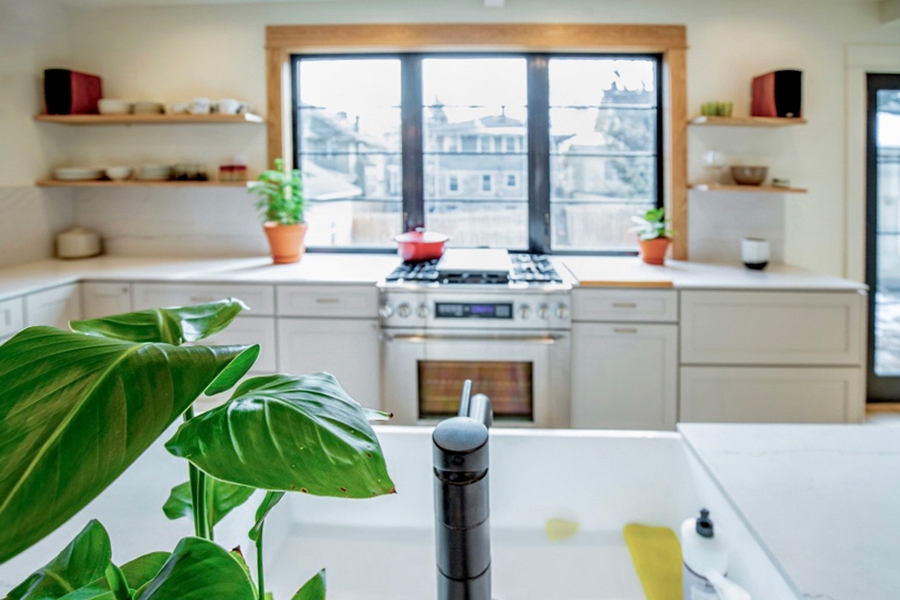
(709, 276)
(367, 269)
(353, 269)
(823, 500)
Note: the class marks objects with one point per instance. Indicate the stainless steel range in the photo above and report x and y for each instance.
(499, 319)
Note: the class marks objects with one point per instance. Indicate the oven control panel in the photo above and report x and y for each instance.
(472, 310)
(443, 310)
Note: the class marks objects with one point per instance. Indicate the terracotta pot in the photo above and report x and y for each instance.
(654, 251)
(285, 241)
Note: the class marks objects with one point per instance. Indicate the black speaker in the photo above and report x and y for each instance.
(778, 94)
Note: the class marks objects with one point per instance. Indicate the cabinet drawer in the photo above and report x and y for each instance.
(771, 395)
(625, 305)
(260, 298)
(772, 328)
(54, 307)
(349, 349)
(624, 376)
(12, 317)
(104, 299)
(359, 301)
(251, 330)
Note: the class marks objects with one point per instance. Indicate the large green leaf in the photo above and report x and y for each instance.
(199, 570)
(314, 589)
(174, 326)
(137, 573)
(286, 433)
(224, 497)
(81, 562)
(76, 410)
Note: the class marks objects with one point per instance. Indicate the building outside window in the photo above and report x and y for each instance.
(597, 134)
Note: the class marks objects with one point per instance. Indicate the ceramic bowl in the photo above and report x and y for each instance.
(749, 175)
(118, 173)
(109, 106)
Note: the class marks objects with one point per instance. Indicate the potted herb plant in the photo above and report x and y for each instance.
(280, 204)
(89, 402)
(654, 235)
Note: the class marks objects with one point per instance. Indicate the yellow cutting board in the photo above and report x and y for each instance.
(617, 272)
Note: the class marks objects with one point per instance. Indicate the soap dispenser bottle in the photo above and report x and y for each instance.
(703, 550)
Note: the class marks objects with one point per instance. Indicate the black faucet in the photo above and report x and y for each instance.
(461, 501)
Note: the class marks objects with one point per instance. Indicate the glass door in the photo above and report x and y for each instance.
(883, 236)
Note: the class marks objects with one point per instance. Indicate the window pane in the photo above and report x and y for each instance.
(475, 138)
(579, 225)
(349, 150)
(603, 163)
(626, 179)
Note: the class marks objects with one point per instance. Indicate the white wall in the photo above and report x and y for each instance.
(171, 53)
(33, 36)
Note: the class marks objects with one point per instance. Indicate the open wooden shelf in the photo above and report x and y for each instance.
(758, 189)
(160, 119)
(748, 121)
(138, 183)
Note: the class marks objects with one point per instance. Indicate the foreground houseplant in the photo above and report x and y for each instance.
(654, 235)
(280, 204)
(79, 408)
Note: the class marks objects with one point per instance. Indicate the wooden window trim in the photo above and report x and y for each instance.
(669, 40)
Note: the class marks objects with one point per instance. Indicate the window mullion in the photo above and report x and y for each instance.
(411, 142)
(538, 154)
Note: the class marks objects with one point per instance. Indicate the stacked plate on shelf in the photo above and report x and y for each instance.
(77, 174)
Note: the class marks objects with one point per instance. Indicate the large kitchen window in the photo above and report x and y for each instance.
(522, 151)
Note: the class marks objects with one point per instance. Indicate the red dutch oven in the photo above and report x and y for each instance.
(420, 245)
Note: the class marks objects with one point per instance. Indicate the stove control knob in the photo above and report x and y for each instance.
(562, 312)
(386, 311)
(524, 311)
(422, 311)
(404, 310)
(544, 312)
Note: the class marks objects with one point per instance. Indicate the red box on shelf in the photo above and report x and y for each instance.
(71, 93)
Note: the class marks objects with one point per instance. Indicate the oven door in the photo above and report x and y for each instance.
(524, 373)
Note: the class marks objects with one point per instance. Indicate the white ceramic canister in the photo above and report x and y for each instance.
(78, 242)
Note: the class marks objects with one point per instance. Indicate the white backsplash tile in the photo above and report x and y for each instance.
(29, 219)
(150, 221)
(718, 221)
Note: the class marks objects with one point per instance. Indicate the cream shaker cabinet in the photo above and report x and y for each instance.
(625, 376)
(104, 299)
(772, 357)
(624, 359)
(349, 349)
(54, 307)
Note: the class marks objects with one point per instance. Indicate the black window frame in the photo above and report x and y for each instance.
(538, 176)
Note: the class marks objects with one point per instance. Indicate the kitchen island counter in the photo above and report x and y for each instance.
(821, 499)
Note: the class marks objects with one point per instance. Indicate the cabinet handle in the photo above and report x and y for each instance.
(201, 299)
(328, 300)
(624, 304)
(625, 330)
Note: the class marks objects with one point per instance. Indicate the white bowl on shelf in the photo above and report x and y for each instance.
(155, 172)
(77, 174)
(110, 106)
(119, 173)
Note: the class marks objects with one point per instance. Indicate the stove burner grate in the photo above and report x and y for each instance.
(527, 268)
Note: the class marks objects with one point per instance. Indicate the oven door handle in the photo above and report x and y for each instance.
(421, 338)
